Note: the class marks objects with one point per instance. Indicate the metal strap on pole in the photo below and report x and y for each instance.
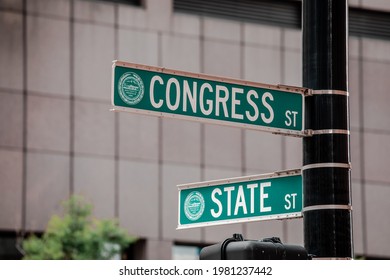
(327, 164)
(311, 132)
(329, 91)
(328, 206)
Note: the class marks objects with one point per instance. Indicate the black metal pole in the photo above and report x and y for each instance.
(326, 154)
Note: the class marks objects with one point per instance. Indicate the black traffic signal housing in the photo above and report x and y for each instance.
(236, 248)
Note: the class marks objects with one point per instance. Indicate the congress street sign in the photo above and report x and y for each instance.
(198, 97)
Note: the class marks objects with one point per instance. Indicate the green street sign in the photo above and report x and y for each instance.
(251, 198)
(197, 97)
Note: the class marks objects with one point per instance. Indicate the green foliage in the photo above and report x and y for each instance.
(77, 236)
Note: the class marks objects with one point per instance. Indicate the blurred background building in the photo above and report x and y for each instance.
(58, 137)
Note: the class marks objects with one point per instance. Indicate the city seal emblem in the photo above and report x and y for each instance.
(131, 88)
(194, 206)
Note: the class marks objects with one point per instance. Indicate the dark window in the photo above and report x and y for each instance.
(284, 13)
(10, 246)
(368, 23)
(130, 2)
(273, 12)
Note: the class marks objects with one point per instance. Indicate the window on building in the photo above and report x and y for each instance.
(129, 2)
(185, 252)
(284, 13)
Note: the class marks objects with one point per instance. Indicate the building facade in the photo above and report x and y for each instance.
(58, 136)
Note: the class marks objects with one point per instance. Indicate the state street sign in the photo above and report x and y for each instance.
(208, 99)
(251, 198)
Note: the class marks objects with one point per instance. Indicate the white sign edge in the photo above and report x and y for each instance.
(286, 132)
(285, 88)
(248, 178)
(293, 215)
